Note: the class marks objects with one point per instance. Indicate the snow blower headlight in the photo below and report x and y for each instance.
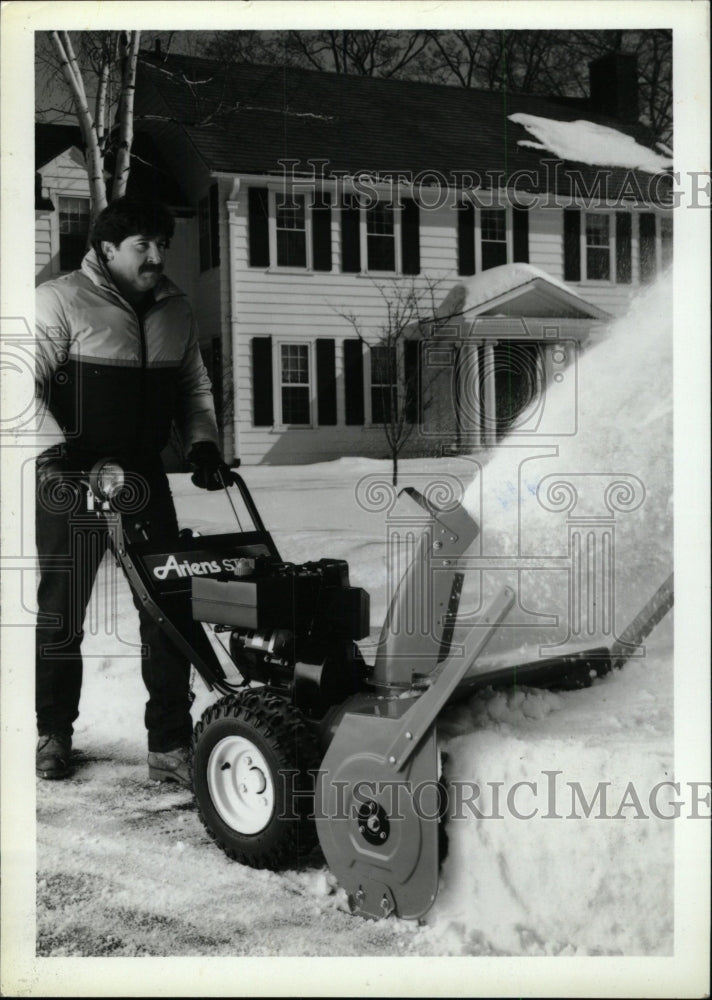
(106, 479)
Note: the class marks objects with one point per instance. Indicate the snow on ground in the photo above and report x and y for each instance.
(126, 869)
(587, 142)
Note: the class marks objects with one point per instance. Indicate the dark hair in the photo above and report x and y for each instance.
(129, 216)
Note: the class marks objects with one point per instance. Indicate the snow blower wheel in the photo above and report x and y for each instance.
(252, 754)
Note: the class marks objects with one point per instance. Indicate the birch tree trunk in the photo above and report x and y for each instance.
(129, 59)
(73, 75)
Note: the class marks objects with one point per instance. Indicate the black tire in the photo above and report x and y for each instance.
(271, 830)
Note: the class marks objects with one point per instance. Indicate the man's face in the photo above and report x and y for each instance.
(136, 264)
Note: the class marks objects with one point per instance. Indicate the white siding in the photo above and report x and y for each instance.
(298, 306)
(43, 247)
(64, 176)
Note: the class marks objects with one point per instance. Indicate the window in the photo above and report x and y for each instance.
(73, 232)
(296, 396)
(493, 236)
(291, 227)
(489, 237)
(381, 238)
(384, 383)
(598, 246)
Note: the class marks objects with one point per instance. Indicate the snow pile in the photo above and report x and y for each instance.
(572, 884)
(482, 288)
(587, 142)
(612, 477)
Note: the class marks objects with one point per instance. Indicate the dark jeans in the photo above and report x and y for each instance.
(70, 546)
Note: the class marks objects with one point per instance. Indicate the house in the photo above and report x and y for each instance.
(308, 202)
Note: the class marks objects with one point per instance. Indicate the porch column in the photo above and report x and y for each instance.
(489, 427)
(469, 404)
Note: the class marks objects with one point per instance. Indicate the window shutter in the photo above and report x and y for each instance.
(350, 239)
(321, 237)
(353, 381)
(572, 244)
(520, 235)
(410, 237)
(326, 381)
(258, 210)
(262, 403)
(623, 248)
(412, 380)
(466, 239)
(646, 240)
(214, 226)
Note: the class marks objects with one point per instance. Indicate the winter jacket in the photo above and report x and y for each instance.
(114, 381)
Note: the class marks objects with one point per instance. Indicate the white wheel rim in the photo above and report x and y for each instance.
(240, 784)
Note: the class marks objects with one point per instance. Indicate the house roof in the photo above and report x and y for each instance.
(53, 139)
(150, 174)
(244, 118)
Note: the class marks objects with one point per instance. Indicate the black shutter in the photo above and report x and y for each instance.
(262, 407)
(326, 381)
(572, 244)
(214, 226)
(623, 248)
(258, 210)
(321, 237)
(412, 380)
(466, 239)
(520, 235)
(646, 240)
(410, 237)
(350, 239)
(353, 381)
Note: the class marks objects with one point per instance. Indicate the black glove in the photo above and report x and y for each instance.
(210, 472)
(58, 487)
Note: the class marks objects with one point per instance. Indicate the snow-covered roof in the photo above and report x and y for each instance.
(591, 143)
(485, 291)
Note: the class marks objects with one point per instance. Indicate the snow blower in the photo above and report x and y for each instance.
(308, 743)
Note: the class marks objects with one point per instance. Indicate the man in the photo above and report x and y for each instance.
(118, 360)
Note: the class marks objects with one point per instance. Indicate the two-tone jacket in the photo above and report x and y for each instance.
(114, 379)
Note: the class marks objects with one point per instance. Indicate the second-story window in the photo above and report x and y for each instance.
(290, 217)
(598, 246)
(493, 236)
(381, 238)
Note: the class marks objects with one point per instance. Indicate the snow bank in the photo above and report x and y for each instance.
(614, 473)
(587, 142)
(596, 885)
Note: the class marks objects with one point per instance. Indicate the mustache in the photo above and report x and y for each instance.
(151, 269)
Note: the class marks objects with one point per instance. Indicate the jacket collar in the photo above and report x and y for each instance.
(97, 273)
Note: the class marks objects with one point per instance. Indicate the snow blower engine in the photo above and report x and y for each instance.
(309, 744)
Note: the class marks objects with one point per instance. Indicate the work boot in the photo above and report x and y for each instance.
(52, 757)
(171, 765)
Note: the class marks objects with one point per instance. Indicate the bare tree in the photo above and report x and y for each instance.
(399, 392)
(102, 65)
(360, 53)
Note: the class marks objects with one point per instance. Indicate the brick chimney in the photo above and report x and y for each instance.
(613, 82)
